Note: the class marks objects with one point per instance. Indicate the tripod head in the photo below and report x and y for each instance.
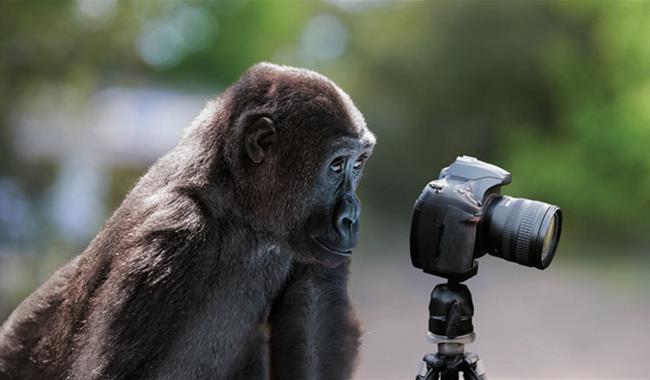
(450, 313)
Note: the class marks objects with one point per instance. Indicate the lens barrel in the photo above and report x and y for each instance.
(521, 230)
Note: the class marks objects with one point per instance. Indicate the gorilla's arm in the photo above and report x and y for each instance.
(314, 333)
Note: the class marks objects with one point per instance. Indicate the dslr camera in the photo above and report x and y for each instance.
(462, 215)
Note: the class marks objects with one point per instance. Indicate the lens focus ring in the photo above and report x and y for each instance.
(526, 233)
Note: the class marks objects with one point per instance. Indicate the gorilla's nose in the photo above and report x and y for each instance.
(346, 219)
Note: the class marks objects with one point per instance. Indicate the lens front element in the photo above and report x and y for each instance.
(550, 239)
(521, 230)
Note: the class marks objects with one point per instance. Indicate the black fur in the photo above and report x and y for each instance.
(208, 269)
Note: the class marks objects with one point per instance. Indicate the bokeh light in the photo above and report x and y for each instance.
(160, 44)
(324, 37)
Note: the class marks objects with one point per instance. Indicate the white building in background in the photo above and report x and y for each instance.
(87, 137)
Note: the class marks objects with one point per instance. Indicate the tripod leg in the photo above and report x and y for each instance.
(472, 367)
(428, 374)
(471, 374)
(432, 375)
(449, 374)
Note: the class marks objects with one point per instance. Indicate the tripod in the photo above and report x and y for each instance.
(450, 327)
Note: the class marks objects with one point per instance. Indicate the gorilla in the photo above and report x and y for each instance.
(229, 259)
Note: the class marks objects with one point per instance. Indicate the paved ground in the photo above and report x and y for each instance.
(559, 323)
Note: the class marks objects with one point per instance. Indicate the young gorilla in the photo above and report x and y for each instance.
(228, 260)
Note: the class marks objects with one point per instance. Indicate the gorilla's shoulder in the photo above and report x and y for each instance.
(178, 210)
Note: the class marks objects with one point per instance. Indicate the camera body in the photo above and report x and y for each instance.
(462, 216)
(447, 214)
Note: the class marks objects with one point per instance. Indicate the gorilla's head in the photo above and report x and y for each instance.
(298, 146)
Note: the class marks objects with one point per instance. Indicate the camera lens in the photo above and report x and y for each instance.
(521, 230)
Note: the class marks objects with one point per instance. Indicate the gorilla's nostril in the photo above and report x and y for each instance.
(347, 222)
(344, 225)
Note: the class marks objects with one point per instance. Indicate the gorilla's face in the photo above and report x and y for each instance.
(326, 177)
(333, 223)
(304, 188)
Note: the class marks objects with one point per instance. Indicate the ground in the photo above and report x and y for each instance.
(566, 322)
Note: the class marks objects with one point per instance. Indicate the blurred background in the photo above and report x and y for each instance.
(556, 92)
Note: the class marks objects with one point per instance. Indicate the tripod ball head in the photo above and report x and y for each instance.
(450, 311)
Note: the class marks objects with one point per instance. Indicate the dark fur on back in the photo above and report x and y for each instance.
(197, 265)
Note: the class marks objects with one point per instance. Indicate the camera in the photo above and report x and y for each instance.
(462, 216)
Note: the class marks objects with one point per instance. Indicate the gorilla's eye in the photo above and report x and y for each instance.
(358, 164)
(337, 165)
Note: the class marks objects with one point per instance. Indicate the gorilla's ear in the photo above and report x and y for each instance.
(259, 137)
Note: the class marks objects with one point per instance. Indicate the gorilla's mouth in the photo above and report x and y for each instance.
(339, 252)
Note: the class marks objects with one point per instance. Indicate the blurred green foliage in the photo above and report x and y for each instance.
(556, 92)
